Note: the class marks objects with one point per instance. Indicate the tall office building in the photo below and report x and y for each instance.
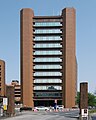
(2, 78)
(48, 58)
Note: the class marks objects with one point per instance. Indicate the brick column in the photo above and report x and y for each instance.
(83, 97)
(11, 103)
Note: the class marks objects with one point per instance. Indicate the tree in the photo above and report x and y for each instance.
(78, 98)
(91, 99)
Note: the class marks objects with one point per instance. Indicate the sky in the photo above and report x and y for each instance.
(85, 34)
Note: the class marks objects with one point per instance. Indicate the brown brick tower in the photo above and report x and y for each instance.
(69, 57)
(48, 58)
(27, 56)
(2, 78)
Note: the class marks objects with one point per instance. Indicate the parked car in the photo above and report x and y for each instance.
(41, 108)
(60, 107)
(25, 109)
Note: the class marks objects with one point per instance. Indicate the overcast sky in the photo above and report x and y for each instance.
(85, 34)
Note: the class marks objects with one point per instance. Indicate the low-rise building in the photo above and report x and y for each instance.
(17, 91)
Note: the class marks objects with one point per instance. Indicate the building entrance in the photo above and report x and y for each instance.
(46, 102)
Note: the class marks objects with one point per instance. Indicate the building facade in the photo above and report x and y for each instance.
(17, 91)
(2, 78)
(48, 58)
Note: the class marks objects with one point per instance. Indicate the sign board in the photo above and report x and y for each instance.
(5, 101)
(5, 107)
(84, 112)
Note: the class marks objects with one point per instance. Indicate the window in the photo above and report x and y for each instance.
(47, 94)
(0, 67)
(48, 20)
(49, 59)
(17, 95)
(47, 24)
(47, 74)
(47, 53)
(47, 88)
(47, 67)
(49, 38)
(47, 31)
(17, 92)
(56, 45)
(47, 81)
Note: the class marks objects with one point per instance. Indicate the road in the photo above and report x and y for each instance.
(45, 116)
(29, 115)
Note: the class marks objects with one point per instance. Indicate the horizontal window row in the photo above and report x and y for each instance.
(17, 89)
(56, 45)
(47, 24)
(47, 81)
(18, 92)
(47, 67)
(17, 96)
(47, 20)
(49, 59)
(47, 31)
(47, 74)
(49, 38)
(47, 53)
(47, 94)
(47, 88)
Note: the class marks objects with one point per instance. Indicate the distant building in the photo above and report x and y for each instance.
(2, 78)
(48, 58)
(17, 91)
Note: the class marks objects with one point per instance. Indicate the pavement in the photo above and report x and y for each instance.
(93, 116)
(30, 115)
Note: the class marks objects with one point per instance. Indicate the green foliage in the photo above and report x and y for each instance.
(78, 98)
(91, 99)
(92, 111)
